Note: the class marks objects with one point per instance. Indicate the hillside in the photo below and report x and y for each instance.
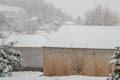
(49, 17)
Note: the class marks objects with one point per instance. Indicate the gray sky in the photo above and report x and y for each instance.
(79, 7)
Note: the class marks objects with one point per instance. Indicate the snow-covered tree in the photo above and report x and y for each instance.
(101, 17)
(46, 13)
(4, 26)
(9, 59)
(115, 61)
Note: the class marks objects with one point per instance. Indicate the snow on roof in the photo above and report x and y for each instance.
(69, 23)
(27, 40)
(86, 37)
(34, 18)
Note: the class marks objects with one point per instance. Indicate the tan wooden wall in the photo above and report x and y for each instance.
(69, 61)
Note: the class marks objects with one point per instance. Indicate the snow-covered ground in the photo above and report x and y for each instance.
(36, 76)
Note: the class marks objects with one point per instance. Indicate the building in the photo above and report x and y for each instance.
(84, 50)
(30, 47)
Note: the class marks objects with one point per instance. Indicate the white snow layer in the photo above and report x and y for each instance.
(86, 37)
(114, 61)
(36, 76)
(27, 40)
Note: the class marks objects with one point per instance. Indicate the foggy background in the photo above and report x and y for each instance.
(47, 16)
(79, 7)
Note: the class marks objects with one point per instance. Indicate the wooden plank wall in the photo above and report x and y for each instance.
(70, 61)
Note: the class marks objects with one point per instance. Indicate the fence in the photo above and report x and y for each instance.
(70, 61)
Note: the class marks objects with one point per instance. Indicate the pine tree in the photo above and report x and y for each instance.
(78, 21)
(9, 59)
(115, 61)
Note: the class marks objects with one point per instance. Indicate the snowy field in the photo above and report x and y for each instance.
(36, 76)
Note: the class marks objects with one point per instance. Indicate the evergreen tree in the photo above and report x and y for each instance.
(9, 59)
(115, 61)
(78, 21)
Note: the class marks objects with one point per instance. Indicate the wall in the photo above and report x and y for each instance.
(70, 61)
(32, 57)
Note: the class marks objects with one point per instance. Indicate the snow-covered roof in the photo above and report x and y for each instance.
(69, 23)
(27, 40)
(106, 37)
(34, 18)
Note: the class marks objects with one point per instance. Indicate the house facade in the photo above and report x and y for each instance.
(84, 50)
(30, 47)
